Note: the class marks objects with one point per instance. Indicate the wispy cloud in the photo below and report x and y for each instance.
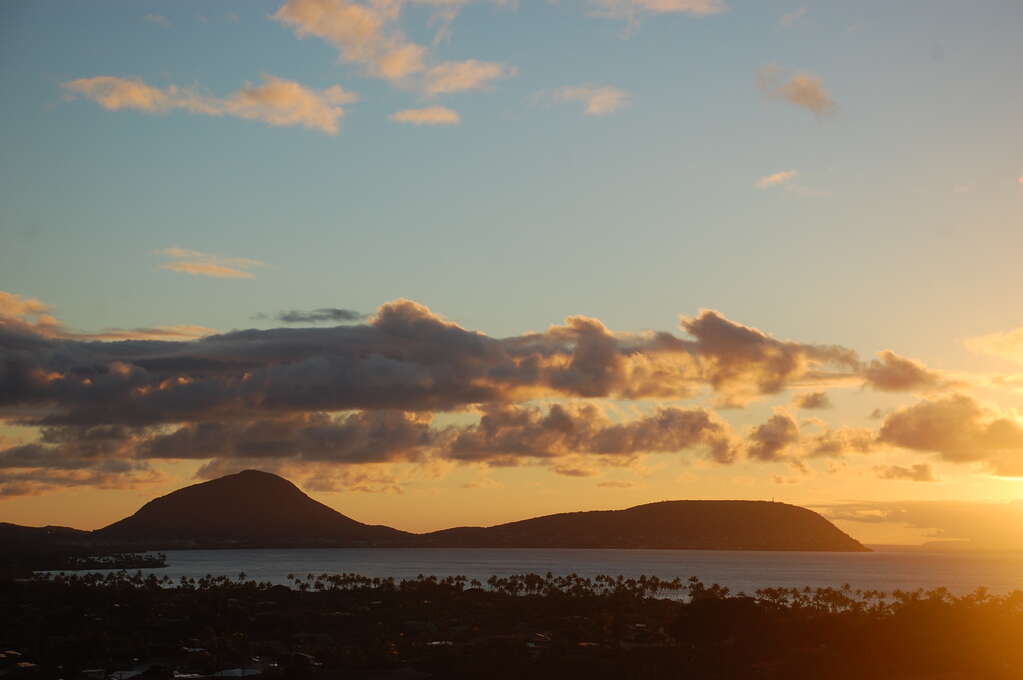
(459, 76)
(275, 101)
(361, 33)
(205, 264)
(802, 89)
(776, 179)
(368, 34)
(600, 100)
(921, 472)
(21, 314)
(157, 19)
(431, 115)
(631, 8)
(320, 315)
(1006, 345)
(794, 17)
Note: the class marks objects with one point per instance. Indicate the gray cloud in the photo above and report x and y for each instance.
(812, 400)
(268, 395)
(740, 362)
(960, 430)
(768, 442)
(505, 434)
(893, 373)
(921, 472)
(364, 437)
(321, 315)
(405, 357)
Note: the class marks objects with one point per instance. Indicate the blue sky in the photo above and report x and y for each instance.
(899, 227)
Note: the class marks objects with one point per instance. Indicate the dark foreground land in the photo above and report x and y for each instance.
(346, 626)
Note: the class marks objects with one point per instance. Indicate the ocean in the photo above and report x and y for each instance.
(960, 572)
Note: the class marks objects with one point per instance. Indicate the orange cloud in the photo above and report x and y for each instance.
(776, 179)
(802, 89)
(921, 472)
(31, 315)
(205, 264)
(596, 100)
(276, 101)
(360, 32)
(458, 76)
(431, 115)
(630, 8)
(1007, 345)
(893, 373)
(178, 332)
(157, 19)
(960, 430)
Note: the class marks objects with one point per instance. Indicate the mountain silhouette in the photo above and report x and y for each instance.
(259, 509)
(685, 525)
(247, 508)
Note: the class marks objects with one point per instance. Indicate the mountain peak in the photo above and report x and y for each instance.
(247, 507)
(254, 508)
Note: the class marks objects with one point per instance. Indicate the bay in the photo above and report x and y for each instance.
(960, 572)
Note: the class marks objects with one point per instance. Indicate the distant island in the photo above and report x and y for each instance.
(257, 509)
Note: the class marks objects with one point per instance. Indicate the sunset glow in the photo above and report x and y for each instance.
(462, 263)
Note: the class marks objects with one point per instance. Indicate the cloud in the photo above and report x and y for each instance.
(506, 434)
(431, 115)
(157, 19)
(29, 315)
(974, 525)
(172, 333)
(1007, 345)
(741, 362)
(812, 400)
(571, 439)
(777, 179)
(632, 8)
(36, 482)
(921, 472)
(204, 264)
(770, 441)
(960, 430)
(803, 90)
(367, 394)
(458, 76)
(404, 357)
(596, 100)
(276, 101)
(65, 457)
(794, 17)
(837, 442)
(367, 34)
(323, 314)
(361, 33)
(893, 373)
(363, 437)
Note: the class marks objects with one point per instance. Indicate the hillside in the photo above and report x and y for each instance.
(250, 508)
(259, 509)
(688, 525)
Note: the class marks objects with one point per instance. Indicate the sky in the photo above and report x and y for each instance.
(449, 262)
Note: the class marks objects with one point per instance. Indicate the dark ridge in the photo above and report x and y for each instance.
(680, 525)
(15, 535)
(260, 510)
(250, 508)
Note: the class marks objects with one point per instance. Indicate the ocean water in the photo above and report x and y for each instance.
(739, 571)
